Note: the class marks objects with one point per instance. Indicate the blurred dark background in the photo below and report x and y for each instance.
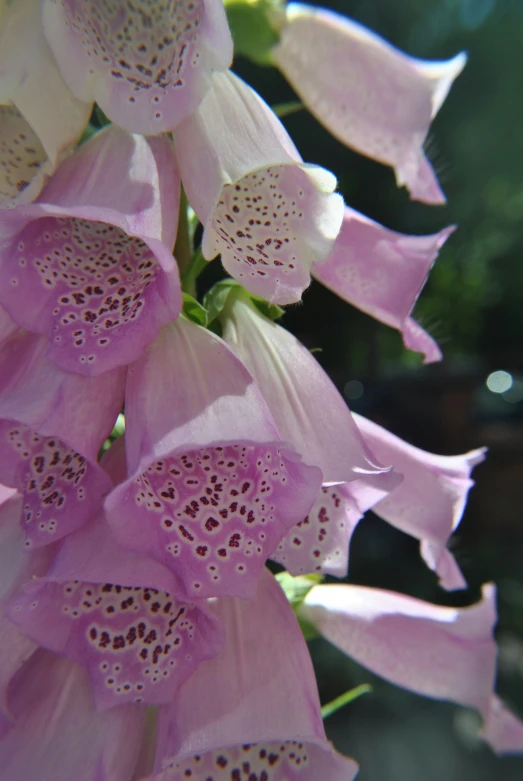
(473, 306)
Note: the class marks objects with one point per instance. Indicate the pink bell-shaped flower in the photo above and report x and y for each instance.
(430, 501)
(253, 711)
(442, 652)
(90, 264)
(212, 488)
(269, 214)
(147, 66)
(382, 273)
(367, 93)
(40, 119)
(52, 425)
(16, 567)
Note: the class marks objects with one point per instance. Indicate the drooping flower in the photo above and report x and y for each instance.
(441, 652)
(267, 213)
(58, 733)
(52, 425)
(252, 711)
(371, 96)
(430, 501)
(40, 119)
(382, 273)
(212, 488)
(147, 65)
(90, 264)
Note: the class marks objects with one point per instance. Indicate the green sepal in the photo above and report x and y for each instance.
(253, 35)
(194, 311)
(215, 299)
(345, 699)
(271, 311)
(100, 117)
(116, 433)
(297, 588)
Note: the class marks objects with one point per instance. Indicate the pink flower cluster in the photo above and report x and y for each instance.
(142, 636)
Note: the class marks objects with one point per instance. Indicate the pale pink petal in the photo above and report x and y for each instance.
(417, 339)
(308, 410)
(7, 326)
(503, 731)
(212, 488)
(267, 213)
(367, 93)
(379, 271)
(430, 501)
(59, 736)
(90, 265)
(16, 567)
(441, 652)
(320, 543)
(255, 703)
(52, 425)
(147, 69)
(44, 120)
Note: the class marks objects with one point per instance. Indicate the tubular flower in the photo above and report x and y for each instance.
(367, 93)
(40, 119)
(382, 273)
(136, 639)
(213, 729)
(58, 734)
(147, 65)
(16, 567)
(90, 264)
(430, 501)
(212, 489)
(52, 425)
(440, 652)
(267, 213)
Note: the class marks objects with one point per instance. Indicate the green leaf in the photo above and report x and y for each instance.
(194, 310)
(196, 265)
(344, 699)
(252, 33)
(284, 109)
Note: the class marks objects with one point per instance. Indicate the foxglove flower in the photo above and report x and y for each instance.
(137, 639)
(308, 410)
(147, 65)
(52, 425)
(8, 327)
(441, 652)
(90, 264)
(40, 119)
(382, 273)
(212, 489)
(58, 733)
(16, 567)
(267, 213)
(267, 725)
(367, 93)
(430, 501)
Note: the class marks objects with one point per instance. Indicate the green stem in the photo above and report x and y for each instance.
(182, 248)
(344, 699)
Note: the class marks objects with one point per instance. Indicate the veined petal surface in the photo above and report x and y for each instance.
(147, 65)
(59, 736)
(43, 120)
(212, 488)
(380, 271)
(430, 501)
(371, 96)
(308, 410)
(254, 709)
(90, 265)
(267, 213)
